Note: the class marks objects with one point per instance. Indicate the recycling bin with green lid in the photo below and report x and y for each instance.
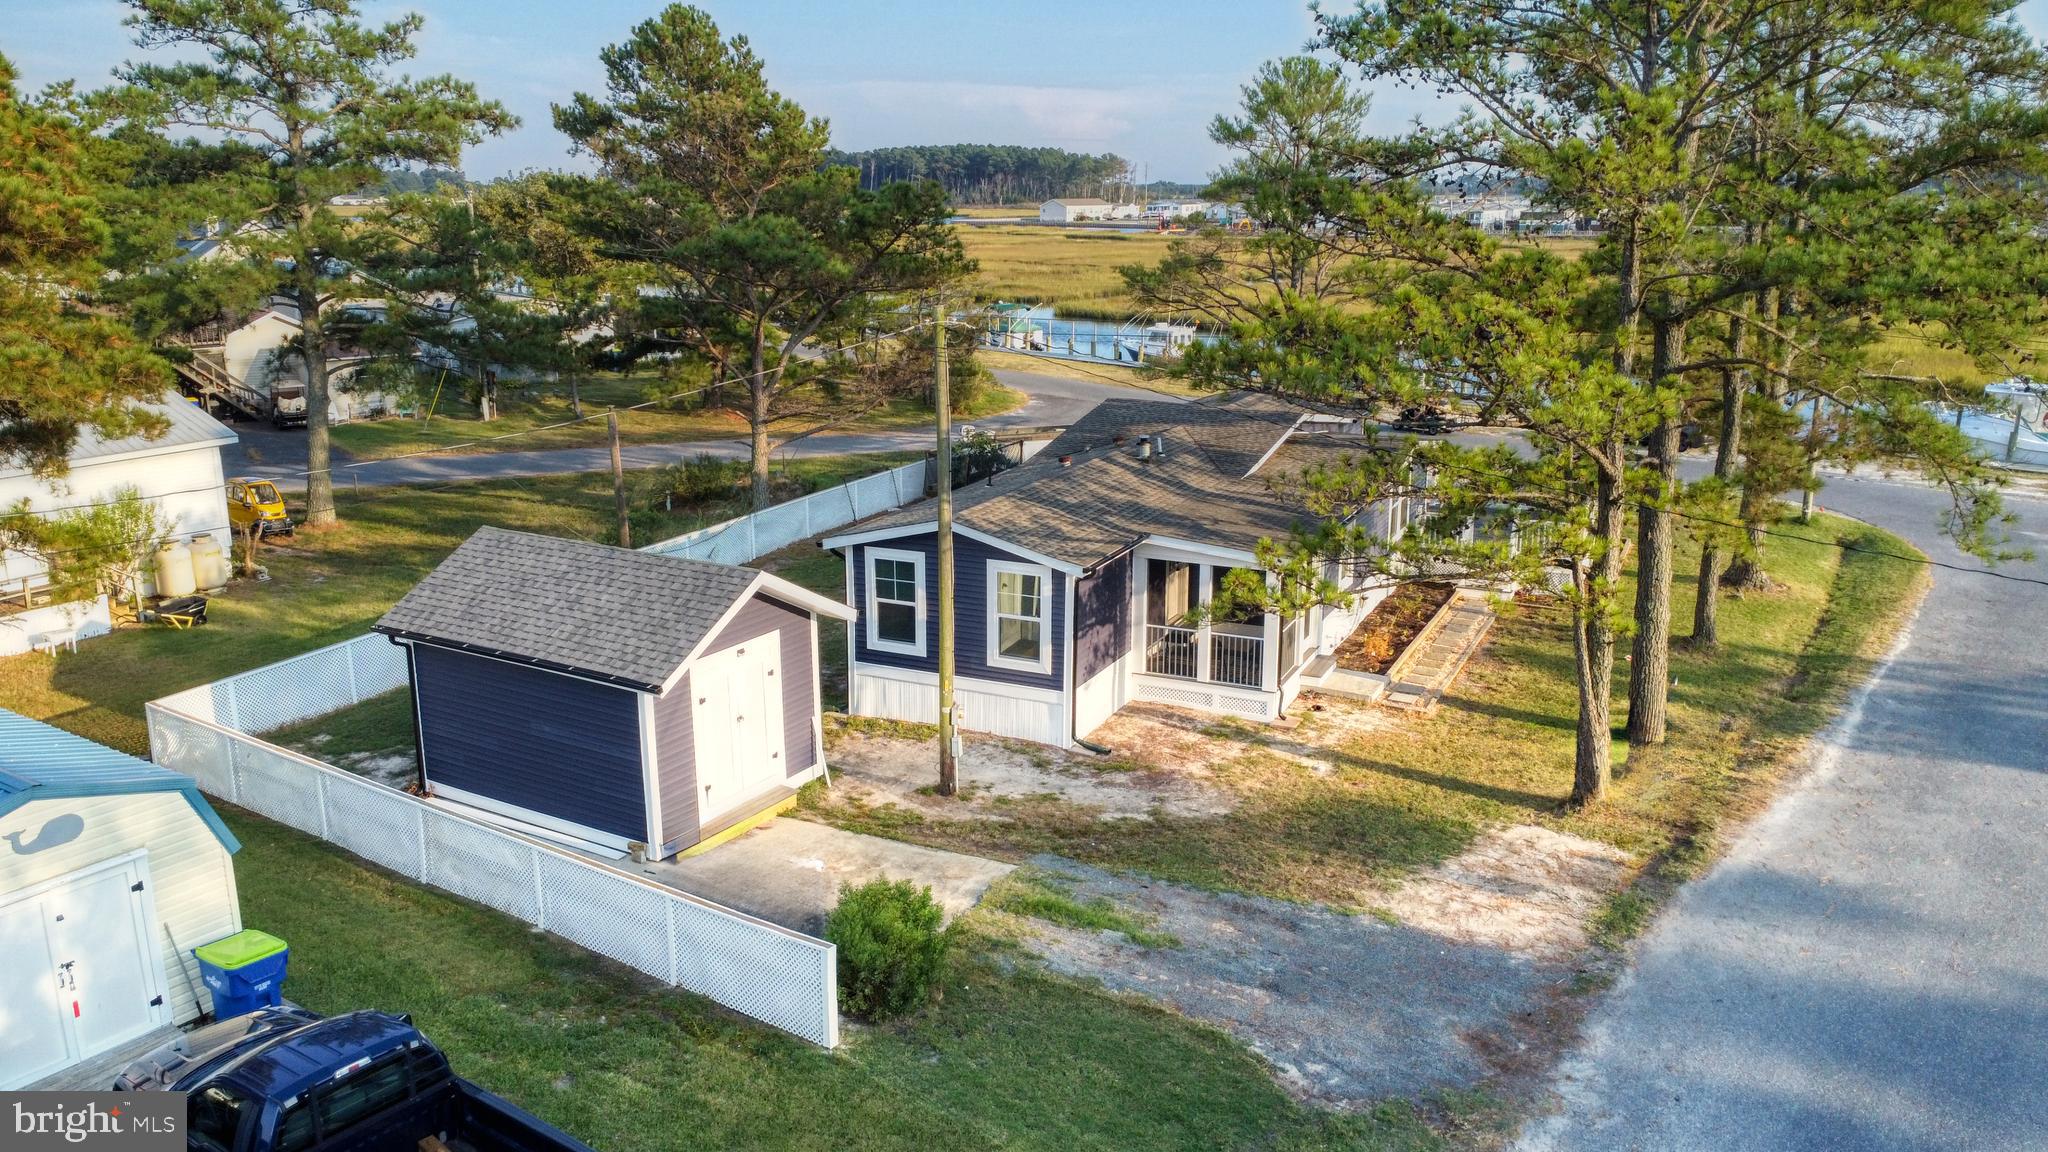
(244, 972)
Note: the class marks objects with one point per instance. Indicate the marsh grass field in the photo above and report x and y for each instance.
(1077, 271)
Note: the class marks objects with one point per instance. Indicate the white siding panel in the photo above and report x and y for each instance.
(1336, 625)
(1103, 693)
(186, 485)
(999, 709)
(192, 874)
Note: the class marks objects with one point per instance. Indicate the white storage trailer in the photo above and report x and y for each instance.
(111, 871)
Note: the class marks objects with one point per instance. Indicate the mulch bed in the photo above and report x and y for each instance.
(1387, 630)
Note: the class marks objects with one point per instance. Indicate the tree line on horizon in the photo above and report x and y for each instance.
(990, 173)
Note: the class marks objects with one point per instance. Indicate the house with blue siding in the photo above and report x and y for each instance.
(622, 702)
(1082, 578)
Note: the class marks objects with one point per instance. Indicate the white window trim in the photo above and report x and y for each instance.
(996, 659)
(870, 554)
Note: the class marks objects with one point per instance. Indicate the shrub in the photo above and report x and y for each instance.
(705, 479)
(892, 948)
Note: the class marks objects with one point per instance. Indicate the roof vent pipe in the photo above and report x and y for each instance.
(1144, 447)
(1159, 445)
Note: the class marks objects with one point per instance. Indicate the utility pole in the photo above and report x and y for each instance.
(942, 403)
(611, 423)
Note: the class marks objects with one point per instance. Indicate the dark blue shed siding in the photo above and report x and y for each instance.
(1102, 618)
(970, 612)
(549, 743)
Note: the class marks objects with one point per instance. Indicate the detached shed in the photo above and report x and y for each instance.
(111, 870)
(619, 701)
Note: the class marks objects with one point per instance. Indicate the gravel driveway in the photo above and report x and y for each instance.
(1349, 1009)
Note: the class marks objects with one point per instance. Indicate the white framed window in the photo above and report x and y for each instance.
(1019, 616)
(895, 608)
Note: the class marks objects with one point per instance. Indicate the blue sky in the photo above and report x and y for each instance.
(1093, 77)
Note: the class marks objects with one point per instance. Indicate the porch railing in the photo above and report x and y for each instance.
(1171, 650)
(1237, 659)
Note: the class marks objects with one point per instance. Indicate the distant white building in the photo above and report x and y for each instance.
(180, 472)
(1073, 209)
(256, 354)
(1175, 209)
(1124, 212)
(1490, 211)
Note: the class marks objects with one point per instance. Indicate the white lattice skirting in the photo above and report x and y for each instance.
(1205, 697)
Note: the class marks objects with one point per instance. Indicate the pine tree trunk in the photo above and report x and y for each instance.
(759, 394)
(1593, 650)
(1649, 677)
(319, 474)
(1706, 604)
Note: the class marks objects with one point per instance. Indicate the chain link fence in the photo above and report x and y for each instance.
(762, 970)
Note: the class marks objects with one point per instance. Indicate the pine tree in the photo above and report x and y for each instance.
(62, 368)
(714, 200)
(306, 85)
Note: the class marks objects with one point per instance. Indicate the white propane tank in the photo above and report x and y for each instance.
(209, 563)
(174, 570)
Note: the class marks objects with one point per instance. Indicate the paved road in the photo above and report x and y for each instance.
(1867, 969)
(1055, 401)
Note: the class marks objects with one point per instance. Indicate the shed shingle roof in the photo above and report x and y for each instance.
(592, 609)
(1211, 487)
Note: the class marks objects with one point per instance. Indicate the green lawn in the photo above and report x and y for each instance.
(529, 422)
(1150, 379)
(1499, 751)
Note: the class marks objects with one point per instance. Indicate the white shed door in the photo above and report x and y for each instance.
(81, 974)
(736, 718)
(32, 1033)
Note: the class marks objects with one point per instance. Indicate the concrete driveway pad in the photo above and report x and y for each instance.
(790, 872)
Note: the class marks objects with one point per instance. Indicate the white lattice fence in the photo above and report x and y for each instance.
(313, 684)
(748, 537)
(777, 976)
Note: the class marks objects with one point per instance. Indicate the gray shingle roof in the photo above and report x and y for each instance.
(615, 613)
(1212, 486)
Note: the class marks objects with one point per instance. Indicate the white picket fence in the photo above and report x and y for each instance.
(763, 970)
(745, 538)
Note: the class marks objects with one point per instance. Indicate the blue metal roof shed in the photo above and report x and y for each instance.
(112, 870)
(39, 762)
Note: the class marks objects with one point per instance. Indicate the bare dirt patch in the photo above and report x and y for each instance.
(899, 768)
(1348, 1009)
(1196, 744)
(1522, 888)
(396, 769)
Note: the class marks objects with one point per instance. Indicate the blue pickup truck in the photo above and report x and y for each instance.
(287, 1080)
